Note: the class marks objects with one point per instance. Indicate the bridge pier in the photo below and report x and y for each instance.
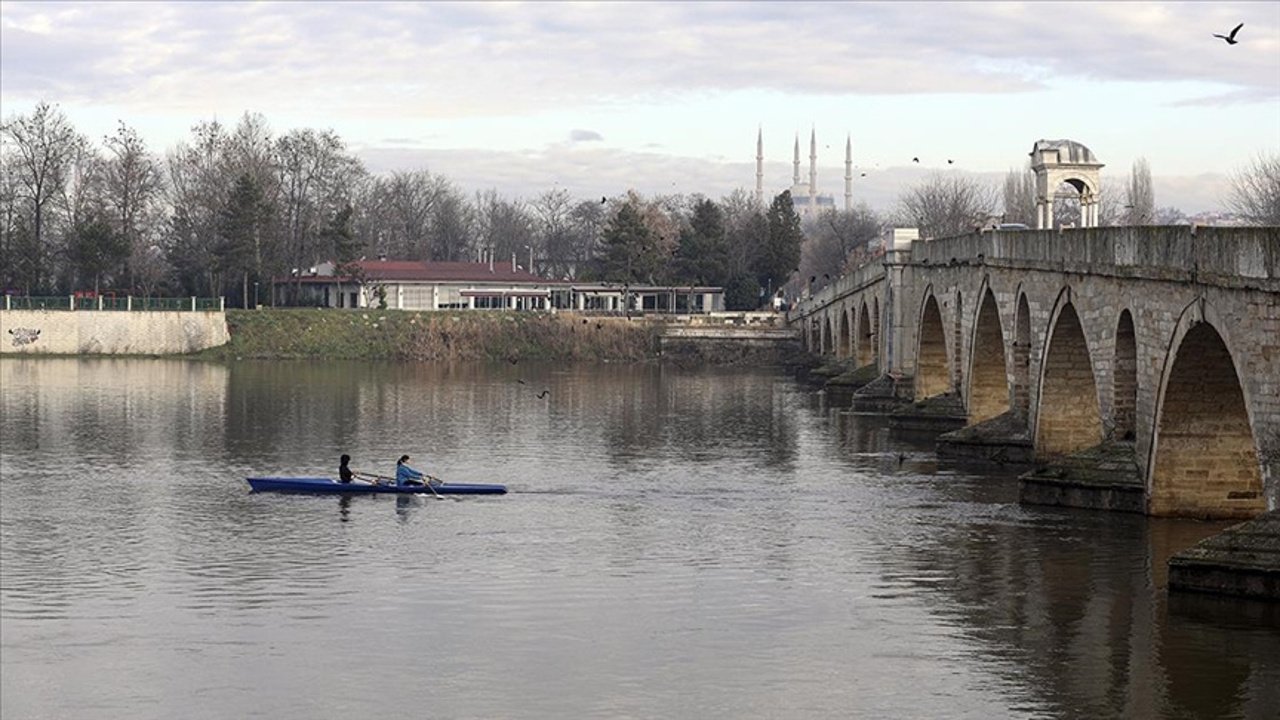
(1003, 439)
(1158, 344)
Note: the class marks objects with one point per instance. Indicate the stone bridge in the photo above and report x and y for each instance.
(1155, 350)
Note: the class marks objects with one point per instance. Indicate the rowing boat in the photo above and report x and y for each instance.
(329, 485)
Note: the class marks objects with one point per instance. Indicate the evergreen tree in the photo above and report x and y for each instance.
(779, 256)
(96, 249)
(238, 227)
(630, 248)
(701, 258)
(339, 237)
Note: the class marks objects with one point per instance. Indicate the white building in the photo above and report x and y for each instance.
(416, 285)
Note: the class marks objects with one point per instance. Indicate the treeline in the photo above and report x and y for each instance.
(228, 208)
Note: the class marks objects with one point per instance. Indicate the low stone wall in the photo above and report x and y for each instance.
(94, 332)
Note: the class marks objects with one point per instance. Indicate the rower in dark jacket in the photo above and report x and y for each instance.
(346, 474)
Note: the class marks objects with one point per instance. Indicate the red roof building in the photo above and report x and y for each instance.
(417, 285)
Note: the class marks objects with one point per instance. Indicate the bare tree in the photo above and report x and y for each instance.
(553, 228)
(450, 234)
(586, 230)
(1139, 196)
(945, 205)
(131, 185)
(1020, 197)
(1110, 202)
(1255, 191)
(838, 241)
(41, 145)
(317, 178)
(251, 153)
(503, 226)
(199, 179)
(402, 214)
(744, 228)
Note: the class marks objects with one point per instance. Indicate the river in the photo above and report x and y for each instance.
(708, 543)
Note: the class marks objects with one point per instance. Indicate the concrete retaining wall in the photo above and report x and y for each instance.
(90, 332)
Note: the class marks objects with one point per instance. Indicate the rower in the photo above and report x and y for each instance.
(406, 475)
(346, 474)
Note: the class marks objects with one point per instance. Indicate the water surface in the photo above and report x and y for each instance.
(676, 544)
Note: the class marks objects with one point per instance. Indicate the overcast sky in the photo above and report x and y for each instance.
(602, 97)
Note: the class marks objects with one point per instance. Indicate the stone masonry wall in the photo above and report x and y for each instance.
(94, 332)
(1169, 279)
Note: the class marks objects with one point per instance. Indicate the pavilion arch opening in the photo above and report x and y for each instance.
(988, 379)
(1124, 378)
(932, 377)
(828, 336)
(1067, 203)
(1069, 419)
(865, 337)
(842, 347)
(1022, 358)
(1206, 462)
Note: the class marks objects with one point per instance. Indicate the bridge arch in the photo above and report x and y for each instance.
(1068, 416)
(988, 394)
(865, 335)
(1124, 380)
(875, 331)
(1205, 460)
(932, 376)
(1022, 356)
(842, 346)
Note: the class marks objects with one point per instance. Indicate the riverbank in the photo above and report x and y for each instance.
(434, 336)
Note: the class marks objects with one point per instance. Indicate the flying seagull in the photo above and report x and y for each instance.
(543, 394)
(915, 159)
(951, 162)
(1231, 39)
(864, 174)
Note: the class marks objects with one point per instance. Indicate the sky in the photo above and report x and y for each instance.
(599, 98)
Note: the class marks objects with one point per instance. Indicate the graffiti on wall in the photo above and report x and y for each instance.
(24, 336)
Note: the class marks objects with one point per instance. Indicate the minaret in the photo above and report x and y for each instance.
(848, 173)
(813, 170)
(796, 179)
(760, 167)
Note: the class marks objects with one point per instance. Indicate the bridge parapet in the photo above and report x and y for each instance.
(1211, 255)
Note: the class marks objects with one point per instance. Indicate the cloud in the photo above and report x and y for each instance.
(576, 136)
(459, 60)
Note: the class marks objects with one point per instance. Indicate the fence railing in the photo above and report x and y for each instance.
(127, 304)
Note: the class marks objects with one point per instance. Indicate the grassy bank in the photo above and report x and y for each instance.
(445, 335)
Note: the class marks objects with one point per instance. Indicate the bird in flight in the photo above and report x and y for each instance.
(864, 174)
(915, 159)
(951, 162)
(1231, 39)
(543, 394)
(604, 200)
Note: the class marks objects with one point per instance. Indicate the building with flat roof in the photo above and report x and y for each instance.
(417, 285)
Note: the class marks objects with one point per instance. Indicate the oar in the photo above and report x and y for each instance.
(427, 484)
(433, 490)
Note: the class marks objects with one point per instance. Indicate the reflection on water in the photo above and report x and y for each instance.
(703, 544)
